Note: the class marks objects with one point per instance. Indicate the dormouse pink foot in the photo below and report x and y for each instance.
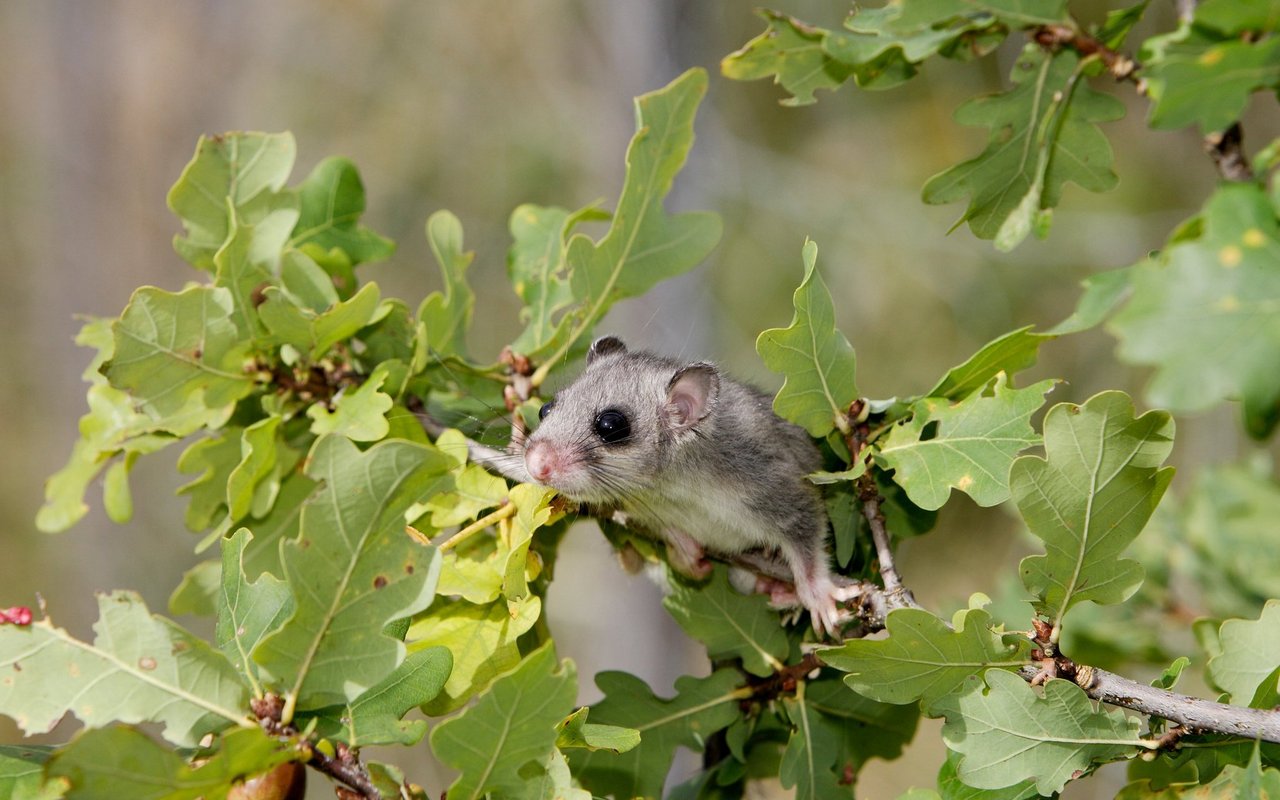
(686, 555)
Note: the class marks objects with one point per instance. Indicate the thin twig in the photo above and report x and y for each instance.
(896, 595)
(1226, 149)
(346, 769)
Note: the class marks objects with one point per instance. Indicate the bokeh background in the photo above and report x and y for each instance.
(478, 107)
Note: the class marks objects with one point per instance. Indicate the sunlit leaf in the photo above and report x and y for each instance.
(1250, 652)
(644, 244)
(536, 266)
(815, 357)
(1011, 353)
(923, 658)
(331, 202)
(359, 414)
(482, 640)
(968, 445)
(172, 350)
(513, 723)
(1091, 494)
(352, 570)
(139, 668)
(313, 333)
(377, 716)
(22, 774)
(1007, 734)
(247, 610)
(575, 731)
(240, 173)
(447, 314)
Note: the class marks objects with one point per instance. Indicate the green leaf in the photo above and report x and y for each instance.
(1011, 353)
(924, 659)
(644, 244)
(359, 415)
(554, 782)
(810, 754)
(332, 200)
(174, 352)
(22, 774)
(952, 788)
(236, 173)
(1006, 734)
(792, 52)
(816, 359)
(1088, 498)
(247, 610)
(215, 458)
(117, 500)
(377, 716)
(313, 333)
(257, 459)
(536, 267)
(242, 266)
(575, 731)
(730, 624)
(111, 427)
(125, 762)
(447, 315)
(1245, 783)
(1102, 294)
(701, 707)
(1201, 312)
(140, 668)
(482, 640)
(1043, 134)
(1232, 17)
(197, 594)
(1250, 652)
(1209, 84)
(262, 554)
(1229, 525)
(865, 728)
(971, 446)
(352, 570)
(512, 724)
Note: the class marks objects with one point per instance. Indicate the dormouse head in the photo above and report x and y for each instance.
(611, 432)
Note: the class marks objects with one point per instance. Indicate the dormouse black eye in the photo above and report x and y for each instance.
(546, 409)
(612, 426)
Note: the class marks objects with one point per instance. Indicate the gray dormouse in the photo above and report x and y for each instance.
(695, 458)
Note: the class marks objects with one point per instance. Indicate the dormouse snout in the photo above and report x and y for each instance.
(542, 461)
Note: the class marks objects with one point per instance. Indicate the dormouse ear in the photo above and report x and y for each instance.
(604, 346)
(691, 394)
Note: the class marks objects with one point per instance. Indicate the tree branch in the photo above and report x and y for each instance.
(1226, 149)
(1194, 713)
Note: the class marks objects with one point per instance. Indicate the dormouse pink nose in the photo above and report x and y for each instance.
(540, 458)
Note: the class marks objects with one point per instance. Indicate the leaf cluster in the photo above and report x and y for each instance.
(373, 574)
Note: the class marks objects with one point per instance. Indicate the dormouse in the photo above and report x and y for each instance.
(693, 457)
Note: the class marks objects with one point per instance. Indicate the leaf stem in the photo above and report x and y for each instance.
(508, 509)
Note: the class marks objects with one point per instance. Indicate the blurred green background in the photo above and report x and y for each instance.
(478, 107)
